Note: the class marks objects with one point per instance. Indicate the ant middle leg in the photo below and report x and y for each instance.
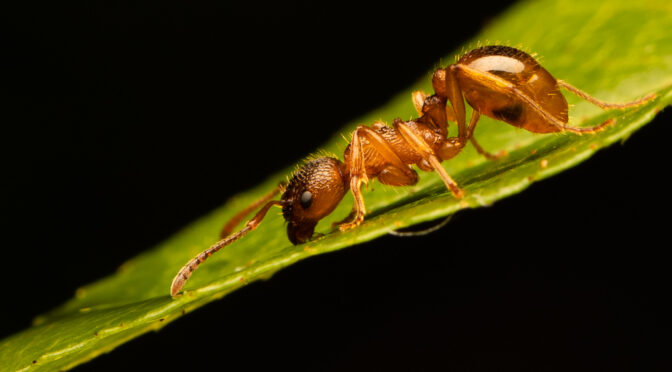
(418, 144)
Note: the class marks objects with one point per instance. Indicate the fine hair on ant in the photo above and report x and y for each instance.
(500, 82)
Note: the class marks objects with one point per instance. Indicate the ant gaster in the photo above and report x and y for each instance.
(501, 82)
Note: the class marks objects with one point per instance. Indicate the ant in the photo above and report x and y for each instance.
(501, 82)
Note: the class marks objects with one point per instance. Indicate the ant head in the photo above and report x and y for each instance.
(312, 193)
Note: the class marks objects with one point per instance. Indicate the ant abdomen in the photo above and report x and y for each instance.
(523, 73)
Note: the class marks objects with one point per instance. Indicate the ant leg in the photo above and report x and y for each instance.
(188, 269)
(457, 101)
(475, 115)
(496, 83)
(486, 154)
(380, 145)
(359, 208)
(447, 180)
(453, 145)
(417, 143)
(347, 219)
(394, 173)
(390, 175)
(447, 88)
(602, 104)
(357, 177)
(235, 220)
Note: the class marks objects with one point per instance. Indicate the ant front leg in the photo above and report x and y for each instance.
(357, 171)
(347, 219)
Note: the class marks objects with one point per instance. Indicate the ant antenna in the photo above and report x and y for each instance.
(427, 231)
(235, 220)
(192, 265)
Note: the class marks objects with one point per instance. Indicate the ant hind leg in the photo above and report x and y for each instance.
(601, 104)
(485, 153)
(502, 84)
(475, 115)
(604, 105)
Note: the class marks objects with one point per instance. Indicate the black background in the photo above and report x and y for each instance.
(126, 122)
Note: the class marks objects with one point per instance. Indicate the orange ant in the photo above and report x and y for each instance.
(501, 82)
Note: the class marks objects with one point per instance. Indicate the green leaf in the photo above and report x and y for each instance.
(615, 50)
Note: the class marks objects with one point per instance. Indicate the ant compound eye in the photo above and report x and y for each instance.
(306, 199)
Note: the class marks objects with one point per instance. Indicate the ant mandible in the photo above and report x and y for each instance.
(501, 82)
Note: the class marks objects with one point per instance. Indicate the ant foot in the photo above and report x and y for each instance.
(499, 155)
(458, 193)
(350, 225)
(347, 219)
